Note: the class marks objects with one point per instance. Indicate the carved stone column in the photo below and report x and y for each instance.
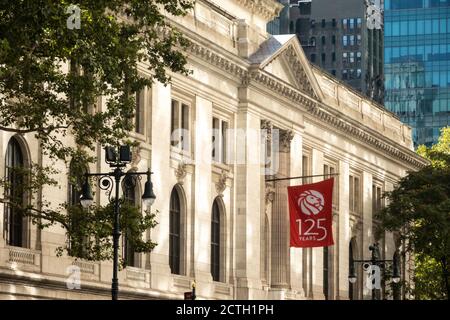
(280, 216)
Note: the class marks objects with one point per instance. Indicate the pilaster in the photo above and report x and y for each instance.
(317, 253)
(159, 257)
(248, 207)
(203, 202)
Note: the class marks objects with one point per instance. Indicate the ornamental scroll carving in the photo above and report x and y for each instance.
(181, 172)
(221, 184)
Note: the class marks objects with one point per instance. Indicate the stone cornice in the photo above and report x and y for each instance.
(217, 60)
(268, 9)
(373, 139)
(332, 117)
(274, 84)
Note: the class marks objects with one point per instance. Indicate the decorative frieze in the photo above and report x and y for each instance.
(217, 60)
(373, 139)
(267, 9)
(297, 68)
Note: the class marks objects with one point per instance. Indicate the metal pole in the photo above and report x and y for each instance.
(373, 262)
(116, 236)
(303, 177)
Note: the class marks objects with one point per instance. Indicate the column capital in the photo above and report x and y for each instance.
(286, 137)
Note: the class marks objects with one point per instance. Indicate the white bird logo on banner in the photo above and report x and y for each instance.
(311, 202)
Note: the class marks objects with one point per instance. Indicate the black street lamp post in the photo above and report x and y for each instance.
(117, 159)
(375, 260)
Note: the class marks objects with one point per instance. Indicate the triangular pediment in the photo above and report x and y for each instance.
(283, 57)
(282, 69)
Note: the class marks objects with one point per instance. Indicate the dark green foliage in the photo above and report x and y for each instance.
(419, 210)
(51, 77)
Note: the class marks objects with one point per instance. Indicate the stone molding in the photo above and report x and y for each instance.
(267, 9)
(181, 172)
(221, 184)
(313, 107)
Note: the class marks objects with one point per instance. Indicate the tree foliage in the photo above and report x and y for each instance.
(419, 210)
(51, 77)
(91, 230)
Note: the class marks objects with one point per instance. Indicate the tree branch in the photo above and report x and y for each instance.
(46, 130)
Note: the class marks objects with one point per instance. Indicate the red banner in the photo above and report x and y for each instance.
(310, 209)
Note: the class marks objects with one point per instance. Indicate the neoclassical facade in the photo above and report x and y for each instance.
(253, 109)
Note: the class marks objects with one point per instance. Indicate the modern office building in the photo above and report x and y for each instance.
(340, 37)
(417, 65)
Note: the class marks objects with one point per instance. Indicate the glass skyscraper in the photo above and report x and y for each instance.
(417, 65)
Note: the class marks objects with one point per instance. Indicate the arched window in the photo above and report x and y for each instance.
(130, 192)
(77, 240)
(215, 242)
(14, 192)
(312, 41)
(326, 272)
(352, 287)
(76, 176)
(175, 232)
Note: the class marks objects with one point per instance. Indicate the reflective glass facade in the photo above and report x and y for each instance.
(417, 65)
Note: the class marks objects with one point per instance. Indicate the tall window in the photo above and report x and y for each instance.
(77, 240)
(329, 171)
(352, 57)
(130, 194)
(358, 56)
(324, 40)
(306, 168)
(215, 242)
(139, 112)
(326, 273)
(323, 57)
(219, 140)
(352, 40)
(180, 125)
(14, 193)
(351, 286)
(355, 194)
(175, 232)
(312, 41)
(377, 198)
(333, 39)
(76, 176)
(345, 58)
(352, 23)
(313, 57)
(344, 74)
(344, 41)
